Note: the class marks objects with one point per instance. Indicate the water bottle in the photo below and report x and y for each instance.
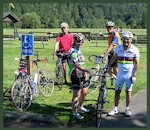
(35, 81)
(35, 78)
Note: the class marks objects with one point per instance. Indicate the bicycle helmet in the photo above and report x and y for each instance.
(78, 37)
(64, 25)
(111, 24)
(127, 34)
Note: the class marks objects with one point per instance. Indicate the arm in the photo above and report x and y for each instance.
(56, 46)
(77, 65)
(111, 47)
(136, 66)
(113, 58)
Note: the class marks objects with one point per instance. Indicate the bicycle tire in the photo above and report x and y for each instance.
(46, 83)
(59, 76)
(95, 81)
(21, 94)
(99, 108)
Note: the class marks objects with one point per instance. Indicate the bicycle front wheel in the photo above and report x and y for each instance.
(46, 83)
(99, 109)
(21, 94)
(95, 81)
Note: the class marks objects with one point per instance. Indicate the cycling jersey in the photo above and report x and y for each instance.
(75, 56)
(125, 65)
(65, 42)
(114, 38)
(126, 58)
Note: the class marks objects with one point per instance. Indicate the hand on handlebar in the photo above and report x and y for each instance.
(54, 53)
(91, 73)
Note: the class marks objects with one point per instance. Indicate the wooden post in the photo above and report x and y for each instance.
(29, 62)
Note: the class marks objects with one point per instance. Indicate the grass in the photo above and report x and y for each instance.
(59, 104)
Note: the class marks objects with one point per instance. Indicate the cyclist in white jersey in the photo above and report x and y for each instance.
(128, 62)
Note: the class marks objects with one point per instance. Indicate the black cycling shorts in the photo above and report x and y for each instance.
(76, 82)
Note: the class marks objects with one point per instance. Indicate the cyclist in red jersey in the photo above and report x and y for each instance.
(63, 43)
(114, 39)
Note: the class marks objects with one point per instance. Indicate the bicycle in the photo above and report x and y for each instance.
(23, 89)
(103, 92)
(20, 73)
(59, 72)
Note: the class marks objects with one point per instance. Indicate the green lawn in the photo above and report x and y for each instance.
(59, 104)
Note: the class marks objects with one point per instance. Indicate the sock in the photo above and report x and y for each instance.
(127, 108)
(116, 108)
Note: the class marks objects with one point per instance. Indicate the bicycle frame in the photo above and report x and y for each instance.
(59, 77)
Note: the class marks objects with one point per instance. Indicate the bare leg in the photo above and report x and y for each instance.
(128, 98)
(82, 96)
(109, 71)
(74, 103)
(117, 97)
(64, 70)
(115, 70)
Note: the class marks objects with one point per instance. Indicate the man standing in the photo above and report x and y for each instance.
(128, 62)
(114, 39)
(64, 42)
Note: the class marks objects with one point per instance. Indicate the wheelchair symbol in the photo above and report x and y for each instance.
(26, 44)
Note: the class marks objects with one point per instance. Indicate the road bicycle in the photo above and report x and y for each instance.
(59, 72)
(23, 89)
(19, 74)
(103, 77)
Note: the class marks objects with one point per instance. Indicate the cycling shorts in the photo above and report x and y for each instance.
(124, 77)
(76, 82)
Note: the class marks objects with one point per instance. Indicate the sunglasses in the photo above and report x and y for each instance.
(80, 42)
(126, 39)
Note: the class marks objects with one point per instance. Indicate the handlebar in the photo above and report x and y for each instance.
(98, 58)
(38, 60)
(60, 54)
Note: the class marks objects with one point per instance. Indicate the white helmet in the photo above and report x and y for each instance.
(127, 34)
(110, 24)
(64, 25)
(79, 37)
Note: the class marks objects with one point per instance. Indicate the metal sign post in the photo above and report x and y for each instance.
(28, 49)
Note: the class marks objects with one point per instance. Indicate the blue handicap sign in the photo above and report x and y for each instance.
(27, 44)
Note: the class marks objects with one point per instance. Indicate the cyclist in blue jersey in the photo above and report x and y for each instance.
(114, 39)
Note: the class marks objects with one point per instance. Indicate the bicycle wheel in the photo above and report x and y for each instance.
(21, 94)
(95, 81)
(59, 76)
(99, 109)
(46, 83)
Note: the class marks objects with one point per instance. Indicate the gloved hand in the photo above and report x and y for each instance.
(133, 79)
(53, 54)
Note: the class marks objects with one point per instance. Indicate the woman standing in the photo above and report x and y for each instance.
(77, 75)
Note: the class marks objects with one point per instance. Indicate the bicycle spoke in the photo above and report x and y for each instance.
(46, 85)
(21, 94)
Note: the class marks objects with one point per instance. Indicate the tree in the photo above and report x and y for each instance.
(31, 20)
